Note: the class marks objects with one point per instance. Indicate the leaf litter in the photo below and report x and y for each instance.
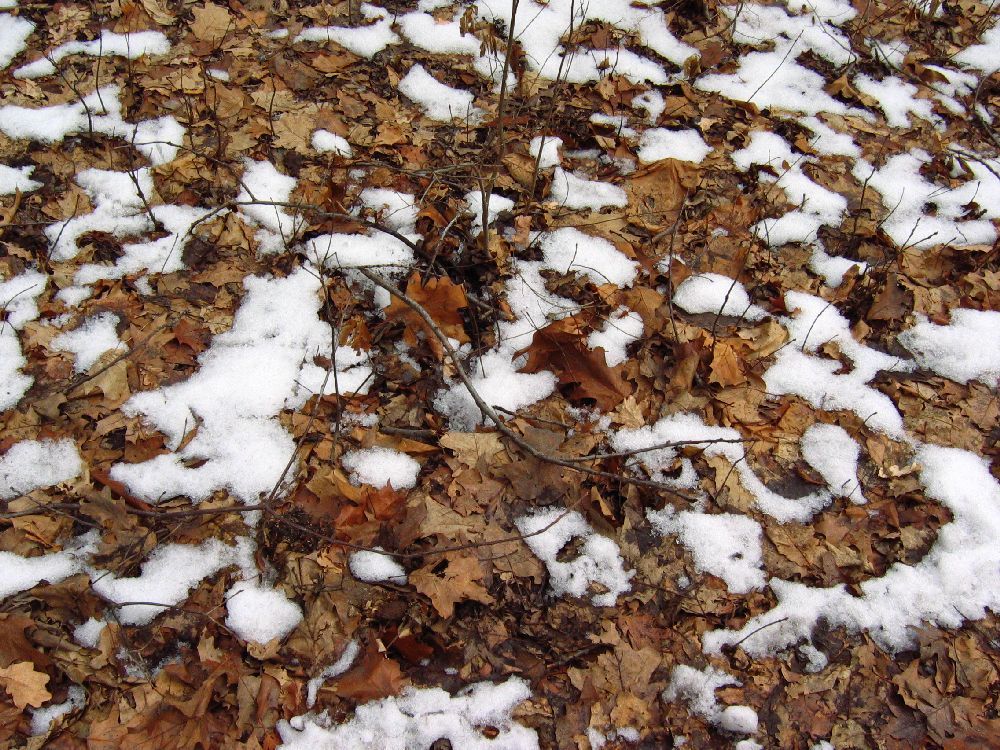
(499, 374)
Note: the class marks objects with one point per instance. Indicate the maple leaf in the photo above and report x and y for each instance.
(561, 347)
(25, 686)
(459, 582)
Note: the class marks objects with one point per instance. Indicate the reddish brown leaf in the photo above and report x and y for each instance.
(442, 299)
(561, 347)
(375, 676)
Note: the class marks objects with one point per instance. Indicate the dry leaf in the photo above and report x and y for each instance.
(334, 62)
(726, 370)
(211, 23)
(561, 347)
(157, 10)
(442, 299)
(294, 130)
(458, 582)
(25, 686)
(374, 677)
(657, 191)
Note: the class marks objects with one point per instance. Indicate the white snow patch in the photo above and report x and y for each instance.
(955, 581)
(13, 179)
(834, 455)
(832, 268)
(364, 41)
(418, 717)
(896, 98)
(260, 614)
(716, 294)
(599, 561)
(397, 211)
(811, 26)
(330, 143)
(262, 182)
(906, 195)
(14, 33)
(546, 150)
(817, 206)
(968, 348)
(772, 80)
(579, 193)
(738, 720)
(18, 303)
(32, 464)
(683, 429)
(568, 249)
(336, 669)
(652, 103)
(725, 545)
(800, 371)
(621, 329)
(42, 718)
(373, 566)
(163, 255)
(440, 37)
(683, 145)
(168, 576)
(828, 141)
(100, 112)
(381, 466)
(88, 342)
(540, 27)
(697, 687)
(984, 56)
(88, 634)
(131, 45)
(439, 102)
(22, 573)
(118, 209)
(261, 366)
(498, 205)
(498, 382)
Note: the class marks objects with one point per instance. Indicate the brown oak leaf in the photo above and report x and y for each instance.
(460, 581)
(561, 347)
(25, 686)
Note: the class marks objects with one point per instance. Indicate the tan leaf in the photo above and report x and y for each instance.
(211, 23)
(891, 303)
(658, 190)
(25, 686)
(157, 10)
(458, 582)
(333, 63)
(294, 130)
(765, 339)
(522, 168)
(726, 369)
(473, 447)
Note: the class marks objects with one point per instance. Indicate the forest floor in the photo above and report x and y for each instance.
(694, 443)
